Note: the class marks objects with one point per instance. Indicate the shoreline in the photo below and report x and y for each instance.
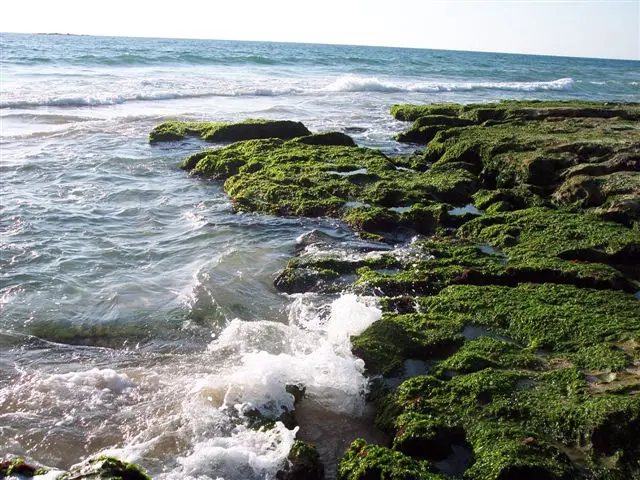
(509, 342)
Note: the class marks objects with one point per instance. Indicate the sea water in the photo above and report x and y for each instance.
(137, 311)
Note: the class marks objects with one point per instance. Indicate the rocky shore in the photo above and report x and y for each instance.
(509, 346)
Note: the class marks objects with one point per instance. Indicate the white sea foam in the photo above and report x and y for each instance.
(121, 92)
(109, 98)
(88, 389)
(371, 84)
(316, 356)
(246, 453)
(105, 379)
(247, 369)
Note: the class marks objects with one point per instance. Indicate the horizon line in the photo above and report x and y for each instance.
(70, 34)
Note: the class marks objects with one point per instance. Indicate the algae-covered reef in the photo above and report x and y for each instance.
(96, 468)
(227, 132)
(582, 155)
(509, 345)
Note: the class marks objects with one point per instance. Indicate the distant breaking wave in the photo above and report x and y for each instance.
(93, 101)
(363, 84)
(345, 84)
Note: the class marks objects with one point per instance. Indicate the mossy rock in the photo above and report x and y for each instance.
(581, 154)
(326, 274)
(516, 422)
(106, 468)
(303, 463)
(328, 138)
(433, 264)
(299, 279)
(387, 343)
(545, 245)
(487, 352)
(19, 466)
(296, 178)
(364, 461)
(228, 132)
(558, 318)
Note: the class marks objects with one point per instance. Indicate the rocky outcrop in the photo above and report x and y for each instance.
(228, 132)
(509, 345)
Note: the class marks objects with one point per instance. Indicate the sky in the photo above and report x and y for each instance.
(584, 28)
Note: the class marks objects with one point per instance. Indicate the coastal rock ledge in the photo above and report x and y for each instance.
(509, 345)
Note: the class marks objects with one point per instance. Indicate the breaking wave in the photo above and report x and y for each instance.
(342, 84)
(109, 99)
(370, 84)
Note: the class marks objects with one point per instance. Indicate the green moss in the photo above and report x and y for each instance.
(559, 318)
(107, 468)
(295, 178)
(518, 109)
(372, 219)
(514, 421)
(512, 404)
(19, 466)
(228, 132)
(508, 451)
(395, 337)
(299, 277)
(572, 153)
(303, 463)
(433, 264)
(486, 352)
(511, 199)
(364, 461)
(328, 138)
(410, 113)
(554, 246)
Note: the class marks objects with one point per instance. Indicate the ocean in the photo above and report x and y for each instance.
(138, 315)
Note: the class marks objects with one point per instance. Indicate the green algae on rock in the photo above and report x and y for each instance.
(511, 334)
(324, 274)
(226, 131)
(300, 178)
(19, 466)
(555, 318)
(545, 245)
(581, 154)
(303, 463)
(106, 468)
(364, 461)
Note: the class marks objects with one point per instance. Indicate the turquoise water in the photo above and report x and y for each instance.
(138, 315)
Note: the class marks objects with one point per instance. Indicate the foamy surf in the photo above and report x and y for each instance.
(190, 91)
(372, 84)
(186, 423)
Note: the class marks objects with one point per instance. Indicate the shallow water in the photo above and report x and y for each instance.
(137, 311)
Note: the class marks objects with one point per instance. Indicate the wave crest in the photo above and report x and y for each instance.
(372, 84)
(107, 99)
